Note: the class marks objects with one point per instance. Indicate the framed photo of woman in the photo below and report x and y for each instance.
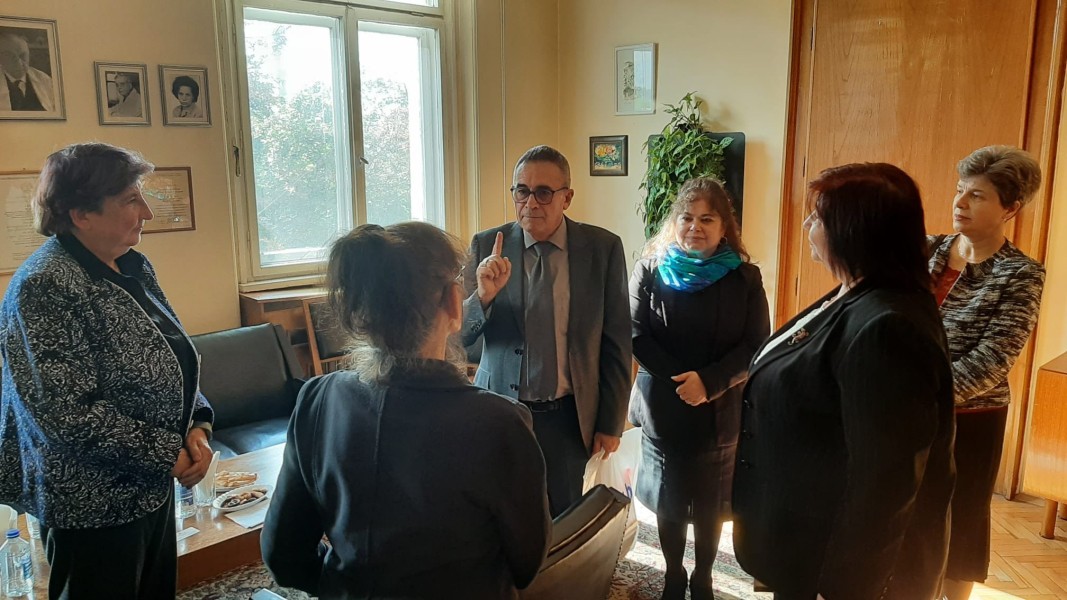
(185, 96)
(32, 88)
(122, 93)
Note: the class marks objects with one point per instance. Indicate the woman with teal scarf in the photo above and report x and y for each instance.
(699, 315)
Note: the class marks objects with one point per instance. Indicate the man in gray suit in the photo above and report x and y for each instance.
(557, 332)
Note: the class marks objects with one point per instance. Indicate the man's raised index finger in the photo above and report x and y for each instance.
(498, 246)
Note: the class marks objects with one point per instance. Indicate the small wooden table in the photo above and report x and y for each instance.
(223, 545)
(220, 546)
(1046, 449)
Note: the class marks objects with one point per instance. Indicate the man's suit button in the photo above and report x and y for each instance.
(744, 463)
(518, 351)
(746, 403)
(514, 387)
(746, 434)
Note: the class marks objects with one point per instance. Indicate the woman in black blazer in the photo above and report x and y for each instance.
(845, 468)
(425, 485)
(699, 314)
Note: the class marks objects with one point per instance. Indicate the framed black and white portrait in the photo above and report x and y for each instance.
(185, 97)
(32, 88)
(122, 93)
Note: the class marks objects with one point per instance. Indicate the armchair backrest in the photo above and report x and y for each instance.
(327, 342)
(586, 540)
(248, 374)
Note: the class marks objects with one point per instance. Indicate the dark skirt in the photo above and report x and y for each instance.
(979, 441)
(686, 487)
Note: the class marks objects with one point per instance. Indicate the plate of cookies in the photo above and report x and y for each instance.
(242, 498)
(231, 480)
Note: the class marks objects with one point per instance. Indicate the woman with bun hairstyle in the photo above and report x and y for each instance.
(423, 484)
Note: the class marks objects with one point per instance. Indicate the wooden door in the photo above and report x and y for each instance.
(920, 85)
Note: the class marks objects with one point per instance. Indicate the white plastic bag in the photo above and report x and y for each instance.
(619, 471)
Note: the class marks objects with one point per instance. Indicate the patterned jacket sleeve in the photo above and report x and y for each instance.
(979, 370)
(54, 375)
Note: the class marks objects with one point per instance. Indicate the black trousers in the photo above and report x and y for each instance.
(561, 442)
(135, 561)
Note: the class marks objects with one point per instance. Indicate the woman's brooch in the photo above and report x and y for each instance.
(798, 336)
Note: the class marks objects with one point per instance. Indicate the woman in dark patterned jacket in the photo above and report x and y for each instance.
(100, 405)
(989, 293)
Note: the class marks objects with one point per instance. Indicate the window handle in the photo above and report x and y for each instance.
(236, 161)
(363, 160)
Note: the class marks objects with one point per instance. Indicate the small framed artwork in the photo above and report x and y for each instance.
(18, 238)
(169, 193)
(635, 79)
(608, 155)
(32, 88)
(122, 93)
(185, 98)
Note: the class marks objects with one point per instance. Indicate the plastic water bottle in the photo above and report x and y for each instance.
(17, 566)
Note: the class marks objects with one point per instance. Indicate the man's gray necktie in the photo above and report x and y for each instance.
(539, 360)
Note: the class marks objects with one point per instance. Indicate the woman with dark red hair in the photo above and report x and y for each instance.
(845, 468)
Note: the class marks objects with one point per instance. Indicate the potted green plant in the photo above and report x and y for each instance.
(681, 151)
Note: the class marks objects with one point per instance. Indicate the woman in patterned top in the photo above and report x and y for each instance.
(101, 405)
(989, 294)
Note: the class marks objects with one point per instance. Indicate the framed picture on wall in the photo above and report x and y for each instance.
(122, 93)
(635, 79)
(169, 193)
(608, 155)
(32, 88)
(185, 96)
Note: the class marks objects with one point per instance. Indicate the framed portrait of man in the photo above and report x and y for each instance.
(31, 86)
(185, 97)
(122, 93)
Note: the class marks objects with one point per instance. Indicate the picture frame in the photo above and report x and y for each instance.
(608, 155)
(122, 93)
(31, 88)
(169, 193)
(18, 238)
(194, 109)
(635, 79)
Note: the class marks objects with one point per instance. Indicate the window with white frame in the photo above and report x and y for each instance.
(341, 122)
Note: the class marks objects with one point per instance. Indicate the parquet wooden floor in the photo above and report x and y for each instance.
(1024, 565)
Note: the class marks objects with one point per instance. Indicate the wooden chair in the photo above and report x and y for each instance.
(326, 340)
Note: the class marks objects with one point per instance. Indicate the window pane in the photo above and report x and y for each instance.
(401, 123)
(430, 3)
(297, 120)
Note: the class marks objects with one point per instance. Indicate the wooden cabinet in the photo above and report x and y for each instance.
(285, 308)
(1046, 452)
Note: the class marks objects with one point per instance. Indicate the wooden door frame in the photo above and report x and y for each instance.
(1030, 231)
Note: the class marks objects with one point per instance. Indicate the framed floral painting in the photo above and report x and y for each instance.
(608, 155)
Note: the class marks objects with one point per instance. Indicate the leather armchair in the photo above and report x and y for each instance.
(251, 377)
(585, 547)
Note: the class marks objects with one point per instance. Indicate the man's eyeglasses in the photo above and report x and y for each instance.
(543, 195)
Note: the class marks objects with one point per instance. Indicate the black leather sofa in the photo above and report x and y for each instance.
(251, 377)
(585, 548)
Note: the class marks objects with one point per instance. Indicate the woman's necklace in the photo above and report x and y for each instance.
(977, 256)
(845, 287)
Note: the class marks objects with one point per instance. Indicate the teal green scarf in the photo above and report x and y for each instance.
(686, 273)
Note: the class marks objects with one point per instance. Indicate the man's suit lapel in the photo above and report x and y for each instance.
(513, 251)
(581, 276)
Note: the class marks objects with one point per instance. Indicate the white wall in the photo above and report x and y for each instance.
(735, 55)
(196, 268)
